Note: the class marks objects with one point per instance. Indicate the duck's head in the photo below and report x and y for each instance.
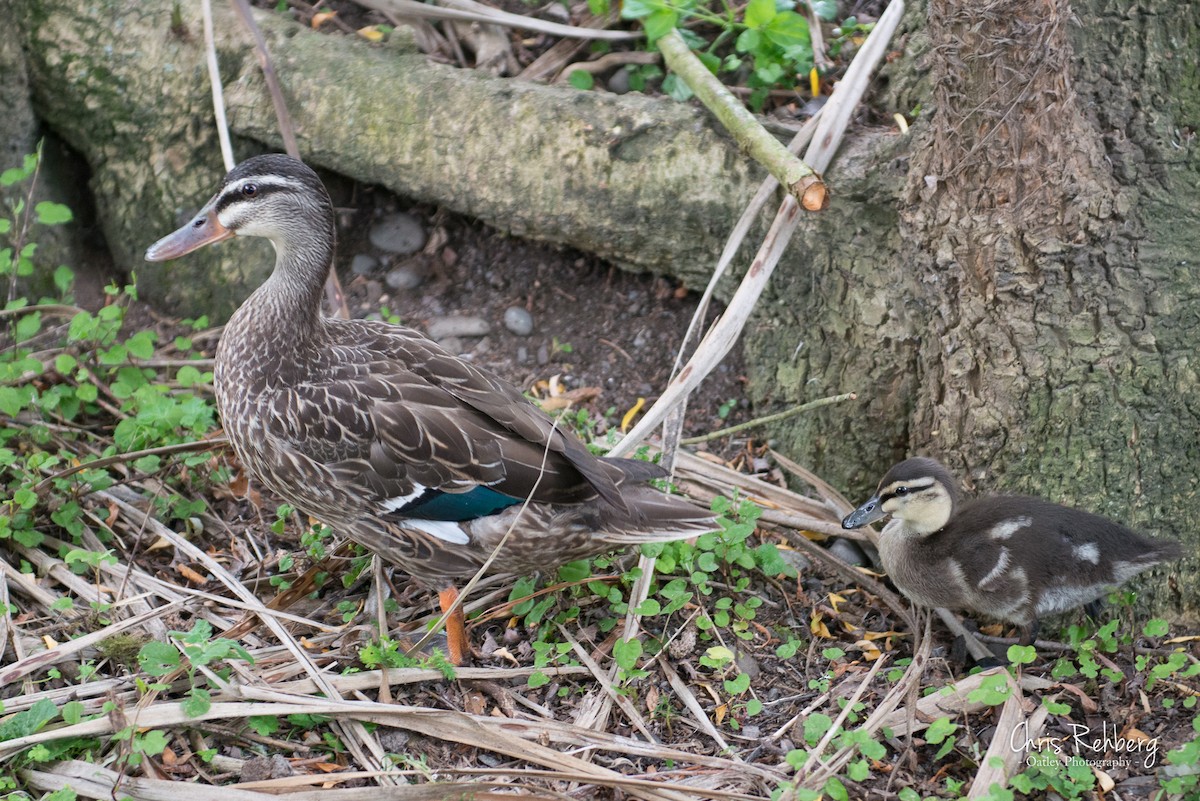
(919, 492)
(274, 196)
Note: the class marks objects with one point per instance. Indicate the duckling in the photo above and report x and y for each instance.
(1008, 557)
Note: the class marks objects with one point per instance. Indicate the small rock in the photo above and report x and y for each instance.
(618, 84)
(522, 355)
(519, 321)
(455, 325)
(797, 560)
(543, 354)
(398, 233)
(454, 345)
(364, 264)
(374, 293)
(848, 552)
(748, 665)
(409, 275)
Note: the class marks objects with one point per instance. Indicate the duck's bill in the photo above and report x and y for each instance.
(205, 229)
(869, 512)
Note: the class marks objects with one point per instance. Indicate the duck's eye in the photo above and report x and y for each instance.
(250, 190)
(901, 490)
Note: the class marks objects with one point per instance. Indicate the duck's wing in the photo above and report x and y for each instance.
(426, 424)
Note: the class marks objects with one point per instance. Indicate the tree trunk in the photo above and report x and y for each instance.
(1036, 324)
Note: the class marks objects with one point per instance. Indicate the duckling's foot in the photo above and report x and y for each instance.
(456, 626)
(1029, 633)
(1093, 609)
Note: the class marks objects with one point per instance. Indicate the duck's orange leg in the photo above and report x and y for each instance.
(456, 626)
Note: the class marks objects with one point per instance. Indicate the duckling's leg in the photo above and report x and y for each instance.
(456, 625)
(1029, 632)
(1092, 608)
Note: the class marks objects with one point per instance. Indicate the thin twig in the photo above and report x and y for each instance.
(410, 8)
(218, 92)
(770, 418)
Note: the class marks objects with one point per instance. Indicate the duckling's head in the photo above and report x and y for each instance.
(919, 492)
(273, 196)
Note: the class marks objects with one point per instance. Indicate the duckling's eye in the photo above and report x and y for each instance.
(250, 190)
(901, 490)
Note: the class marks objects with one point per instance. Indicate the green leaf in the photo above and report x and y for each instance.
(51, 213)
(158, 658)
(789, 31)
(72, 712)
(759, 12)
(152, 743)
(815, 726)
(660, 23)
(738, 685)
(28, 326)
(677, 88)
(598, 7)
(637, 9)
(836, 790)
(13, 400)
(754, 707)
(1021, 654)
(825, 9)
(1155, 627)
(575, 571)
(649, 607)
(581, 79)
(30, 721)
(141, 344)
(748, 41)
(537, 679)
(64, 363)
(263, 725)
(197, 703)
(63, 278)
(627, 653)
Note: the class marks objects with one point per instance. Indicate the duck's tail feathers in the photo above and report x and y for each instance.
(654, 516)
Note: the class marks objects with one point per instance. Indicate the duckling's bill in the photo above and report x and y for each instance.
(869, 512)
(204, 229)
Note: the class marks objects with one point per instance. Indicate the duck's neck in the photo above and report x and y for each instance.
(288, 304)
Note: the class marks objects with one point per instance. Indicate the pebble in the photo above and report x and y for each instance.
(455, 325)
(519, 321)
(543, 354)
(848, 552)
(618, 84)
(522, 355)
(398, 233)
(748, 665)
(409, 275)
(797, 560)
(364, 264)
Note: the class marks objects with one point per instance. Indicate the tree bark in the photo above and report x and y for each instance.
(1035, 323)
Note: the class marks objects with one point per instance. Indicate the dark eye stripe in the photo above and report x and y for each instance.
(234, 194)
(904, 490)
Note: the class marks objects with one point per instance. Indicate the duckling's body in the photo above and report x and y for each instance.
(1013, 558)
(381, 434)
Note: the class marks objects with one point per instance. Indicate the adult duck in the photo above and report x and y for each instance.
(379, 433)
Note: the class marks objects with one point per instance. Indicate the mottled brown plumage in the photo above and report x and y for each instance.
(386, 437)
(1009, 557)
